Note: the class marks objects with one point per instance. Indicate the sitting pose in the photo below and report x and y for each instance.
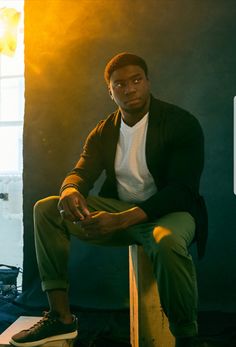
(152, 153)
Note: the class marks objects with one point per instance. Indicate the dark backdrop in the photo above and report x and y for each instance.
(190, 48)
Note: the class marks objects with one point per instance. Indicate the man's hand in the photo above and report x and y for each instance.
(102, 223)
(72, 205)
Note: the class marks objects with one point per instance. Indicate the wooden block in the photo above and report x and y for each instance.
(149, 326)
(25, 322)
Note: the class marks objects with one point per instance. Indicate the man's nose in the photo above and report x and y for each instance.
(129, 88)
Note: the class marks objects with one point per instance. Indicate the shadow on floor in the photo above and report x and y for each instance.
(99, 328)
(216, 329)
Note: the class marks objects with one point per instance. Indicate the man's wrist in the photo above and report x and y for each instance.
(69, 185)
(134, 215)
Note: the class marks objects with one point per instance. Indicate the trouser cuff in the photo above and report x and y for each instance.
(54, 284)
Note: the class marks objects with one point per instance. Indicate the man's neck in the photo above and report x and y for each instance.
(131, 118)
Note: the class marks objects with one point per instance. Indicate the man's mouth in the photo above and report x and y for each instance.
(132, 101)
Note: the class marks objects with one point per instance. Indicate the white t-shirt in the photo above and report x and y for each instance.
(134, 181)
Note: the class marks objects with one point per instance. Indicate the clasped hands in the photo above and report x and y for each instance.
(73, 207)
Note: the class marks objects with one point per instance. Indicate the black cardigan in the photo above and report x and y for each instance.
(174, 155)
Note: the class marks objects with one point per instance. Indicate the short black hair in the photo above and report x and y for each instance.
(123, 59)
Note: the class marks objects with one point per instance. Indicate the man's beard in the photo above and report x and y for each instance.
(136, 110)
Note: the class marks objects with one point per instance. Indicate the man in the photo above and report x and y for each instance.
(152, 154)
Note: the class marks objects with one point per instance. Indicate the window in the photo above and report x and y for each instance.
(11, 128)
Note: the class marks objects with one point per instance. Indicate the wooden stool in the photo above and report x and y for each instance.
(149, 326)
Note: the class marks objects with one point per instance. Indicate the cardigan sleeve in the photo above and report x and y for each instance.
(184, 164)
(90, 165)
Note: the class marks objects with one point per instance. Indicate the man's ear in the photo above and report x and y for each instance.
(110, 93)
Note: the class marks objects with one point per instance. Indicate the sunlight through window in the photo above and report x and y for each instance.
(11, 129)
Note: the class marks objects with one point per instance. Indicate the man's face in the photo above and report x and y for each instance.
(130, 89)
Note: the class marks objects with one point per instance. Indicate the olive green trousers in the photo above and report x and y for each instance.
(165, 241)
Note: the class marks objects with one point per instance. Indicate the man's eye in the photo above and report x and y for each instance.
(119, 85)
(137, 80)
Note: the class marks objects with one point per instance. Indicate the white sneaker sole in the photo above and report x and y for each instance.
(67, 336)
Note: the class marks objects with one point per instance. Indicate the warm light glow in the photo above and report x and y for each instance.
(2, 30)
(9, 19)
(160, 232)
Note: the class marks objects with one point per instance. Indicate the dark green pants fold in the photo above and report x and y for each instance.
(165, 241)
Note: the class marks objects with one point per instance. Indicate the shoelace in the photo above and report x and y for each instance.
(47, 319)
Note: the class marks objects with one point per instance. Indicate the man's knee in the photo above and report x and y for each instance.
(46, 206)
(159, 233)
(167, 242)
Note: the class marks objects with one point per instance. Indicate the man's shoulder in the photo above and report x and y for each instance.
(111, 121)
(170, 112)
(168, 108)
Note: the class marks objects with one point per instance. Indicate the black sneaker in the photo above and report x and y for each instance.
(49, 328)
